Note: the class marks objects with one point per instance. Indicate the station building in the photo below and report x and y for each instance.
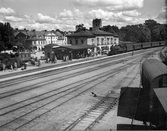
(101, 39)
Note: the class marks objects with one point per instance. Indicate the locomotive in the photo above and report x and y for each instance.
(9, 59)
(136, 46)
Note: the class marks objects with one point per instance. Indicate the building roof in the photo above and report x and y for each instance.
(153, 68)
(36, 33)
(101, 33)
(82, 34)
(162, 96)
(49, 45)
(76, 47)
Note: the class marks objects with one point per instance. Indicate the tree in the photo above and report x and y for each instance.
(7, 35)
(80, 27)
(108, 28)
(2, 46)
(150, 24)
(131, 33)
(145, 33)
(159, 32)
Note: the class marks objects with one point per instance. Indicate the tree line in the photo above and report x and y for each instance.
(146, 32)
(6, 36)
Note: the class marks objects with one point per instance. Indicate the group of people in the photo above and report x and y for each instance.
(53, 59)
(12, 66)
(35, 61)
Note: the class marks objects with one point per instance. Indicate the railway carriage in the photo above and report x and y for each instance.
(129, 47)
(162, 43)
(155, 44)
(145, 45)
(153, 76)
(137, 46)
(25, 56)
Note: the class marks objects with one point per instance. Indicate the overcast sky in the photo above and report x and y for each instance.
(65, 14)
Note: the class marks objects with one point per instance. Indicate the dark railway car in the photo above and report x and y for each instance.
(129, 47)
(155, 44)
(153, 76)
(137, 46)
(162, 43)
(10, 59)
(25, 56)
(146, 45)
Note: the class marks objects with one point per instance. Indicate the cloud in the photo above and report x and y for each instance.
(132, 13)
(64, 27)
(111, 4)
(37, 26)
(163, 13)
(66, 14)
(98, 14)
(44, 19)
(12, 19)
(6, 11)
(126, 5)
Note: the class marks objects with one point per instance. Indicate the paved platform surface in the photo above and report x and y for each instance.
(43, 64)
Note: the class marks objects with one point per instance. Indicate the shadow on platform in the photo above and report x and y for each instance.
(127, 106)
(129, 127)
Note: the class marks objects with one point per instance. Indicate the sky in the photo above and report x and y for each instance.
(66, 14)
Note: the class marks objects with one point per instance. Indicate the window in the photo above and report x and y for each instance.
(102, 41)
(164, 81)
(76, 42)
(98, 41)
(71, 42)
(82, 41)
(92, 41)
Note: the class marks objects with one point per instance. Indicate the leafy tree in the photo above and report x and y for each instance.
(7, 35)
(108, 28)
(159, 32)
(145, 34)
(2, 46)
(80, 27)
(131, 33)
(151, 24)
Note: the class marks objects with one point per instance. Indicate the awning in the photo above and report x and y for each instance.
(76, 47)
(162, 96)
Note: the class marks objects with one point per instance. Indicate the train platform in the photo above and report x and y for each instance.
(43, 64)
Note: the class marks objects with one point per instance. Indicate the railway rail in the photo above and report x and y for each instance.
(76, 86)
(38, 85)
(87, 121)
(79, 87)
(51, 68)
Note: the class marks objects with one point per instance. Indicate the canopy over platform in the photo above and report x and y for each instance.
(75, 47)
(153, 69)
(162, 96)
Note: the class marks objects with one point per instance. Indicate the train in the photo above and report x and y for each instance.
(154, 92)
(9, 59)
(163, 55)
(127, 47)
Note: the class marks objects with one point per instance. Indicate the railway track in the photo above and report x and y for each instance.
(109, 75)
(68, 64)
(53, 80)
(87, 121)
(50, 73)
